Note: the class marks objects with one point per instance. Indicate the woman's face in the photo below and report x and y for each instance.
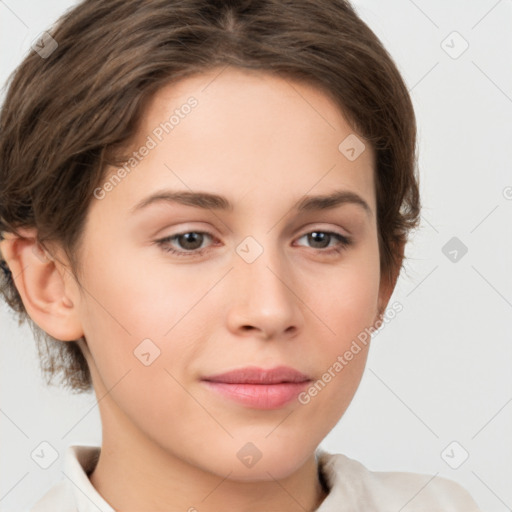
(258, 281)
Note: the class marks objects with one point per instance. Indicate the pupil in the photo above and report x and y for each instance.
(191, 238)
(319, 237)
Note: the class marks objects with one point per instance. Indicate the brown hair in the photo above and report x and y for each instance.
(63, 114)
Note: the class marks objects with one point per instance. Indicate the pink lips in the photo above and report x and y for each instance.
(259, 388)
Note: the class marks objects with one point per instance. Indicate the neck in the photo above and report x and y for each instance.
(133, 480)
(133, 473)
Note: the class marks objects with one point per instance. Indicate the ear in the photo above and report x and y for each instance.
(45, 285)
(388, 282)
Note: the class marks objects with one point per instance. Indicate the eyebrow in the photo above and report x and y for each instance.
(209, 201)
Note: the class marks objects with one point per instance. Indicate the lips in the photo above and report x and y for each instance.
(259, 388)
(253, 375)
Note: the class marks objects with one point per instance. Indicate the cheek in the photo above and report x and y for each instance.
(128, 303)
(354, 307)
(348, 301)
(139, 297)
(349, 308)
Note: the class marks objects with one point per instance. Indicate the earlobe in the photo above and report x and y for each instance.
(43, 284)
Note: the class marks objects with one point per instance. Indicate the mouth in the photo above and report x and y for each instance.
(259, 388)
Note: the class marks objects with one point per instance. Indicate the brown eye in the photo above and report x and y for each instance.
(185, 244)
(322, 239)
(190, 241)
(319, 237)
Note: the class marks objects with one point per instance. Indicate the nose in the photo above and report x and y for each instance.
(265, 300)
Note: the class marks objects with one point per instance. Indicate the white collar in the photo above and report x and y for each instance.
(352, 488)
(79, 462)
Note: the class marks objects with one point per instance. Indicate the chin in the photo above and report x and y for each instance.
(268, 471)
(260, 461)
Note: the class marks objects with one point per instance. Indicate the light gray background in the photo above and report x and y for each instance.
(441, 370)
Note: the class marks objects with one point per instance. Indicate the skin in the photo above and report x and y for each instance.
(263, 142)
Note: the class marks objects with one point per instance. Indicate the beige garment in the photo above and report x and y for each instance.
(352, 488)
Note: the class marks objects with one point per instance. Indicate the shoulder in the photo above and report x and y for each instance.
(351, 482)
(59, 498)
(75, 492)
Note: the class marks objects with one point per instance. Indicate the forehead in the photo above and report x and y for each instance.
(248, 132)
(244, 97)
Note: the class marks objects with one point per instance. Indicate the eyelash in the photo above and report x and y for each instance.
(344, 243)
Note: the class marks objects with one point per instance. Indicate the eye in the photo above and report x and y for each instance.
(322, 239)
(190, 243)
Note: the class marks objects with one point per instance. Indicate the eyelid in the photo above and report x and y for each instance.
(303, 231)
(323, 227)
(344, 241)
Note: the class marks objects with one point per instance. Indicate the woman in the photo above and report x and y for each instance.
(205, 207)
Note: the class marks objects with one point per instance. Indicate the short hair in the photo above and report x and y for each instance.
(64, 115)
